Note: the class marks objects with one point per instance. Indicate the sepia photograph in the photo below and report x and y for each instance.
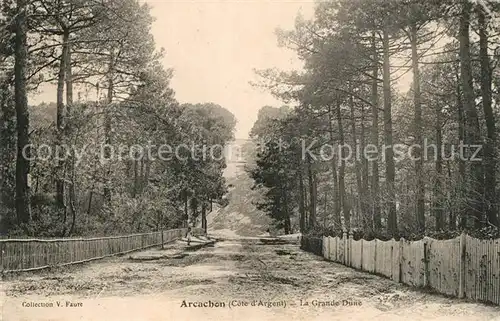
(241, 160)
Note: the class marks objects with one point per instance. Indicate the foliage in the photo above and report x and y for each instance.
(112, 90)
(354, 53)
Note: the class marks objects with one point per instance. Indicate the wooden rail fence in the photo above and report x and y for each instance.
(18, 255)
(464, 267)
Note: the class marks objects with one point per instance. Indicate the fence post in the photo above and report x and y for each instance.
(461, 285)
(323, 250)
(344, 239)
(426, 263)
(336, 249)
(361, 259)
(401, 245)
(2, 246)
(392, 258)
(329, 249)
(325, 247)
(350, 247)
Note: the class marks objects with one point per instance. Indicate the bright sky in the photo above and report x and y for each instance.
(213, 47)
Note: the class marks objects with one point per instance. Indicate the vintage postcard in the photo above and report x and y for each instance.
(249, 160)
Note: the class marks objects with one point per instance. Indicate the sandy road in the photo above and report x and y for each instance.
(235, 280)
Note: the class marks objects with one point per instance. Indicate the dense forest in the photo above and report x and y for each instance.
(428, 163)
(115, 153)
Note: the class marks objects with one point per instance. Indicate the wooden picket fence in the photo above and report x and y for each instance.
(463, 267)
(18, 255)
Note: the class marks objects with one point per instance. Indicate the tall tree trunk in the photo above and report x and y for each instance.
(419, 161)
(7, 144)
(141, 173)
(342, 192)
(392, 224)
(69, 78)
(438, 185)
(490, 146)
(452, 218)
(367, 221)
(375, 183)
(186, 213)
(107, 126)
(23, 207)
(194, 209)
(72, 201)
(302, 208)
(60, 123)
(312, 194)
(462, 179)
(286, 219)
(147, 171)
(204, 217)
(306, 213)
(91, 195)
(325, 211)
(336, 192)
(69, 132)
(357, 164)
(288, 225)
(135, 188)
(473, 137)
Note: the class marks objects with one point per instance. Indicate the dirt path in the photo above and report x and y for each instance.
(277, 279)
